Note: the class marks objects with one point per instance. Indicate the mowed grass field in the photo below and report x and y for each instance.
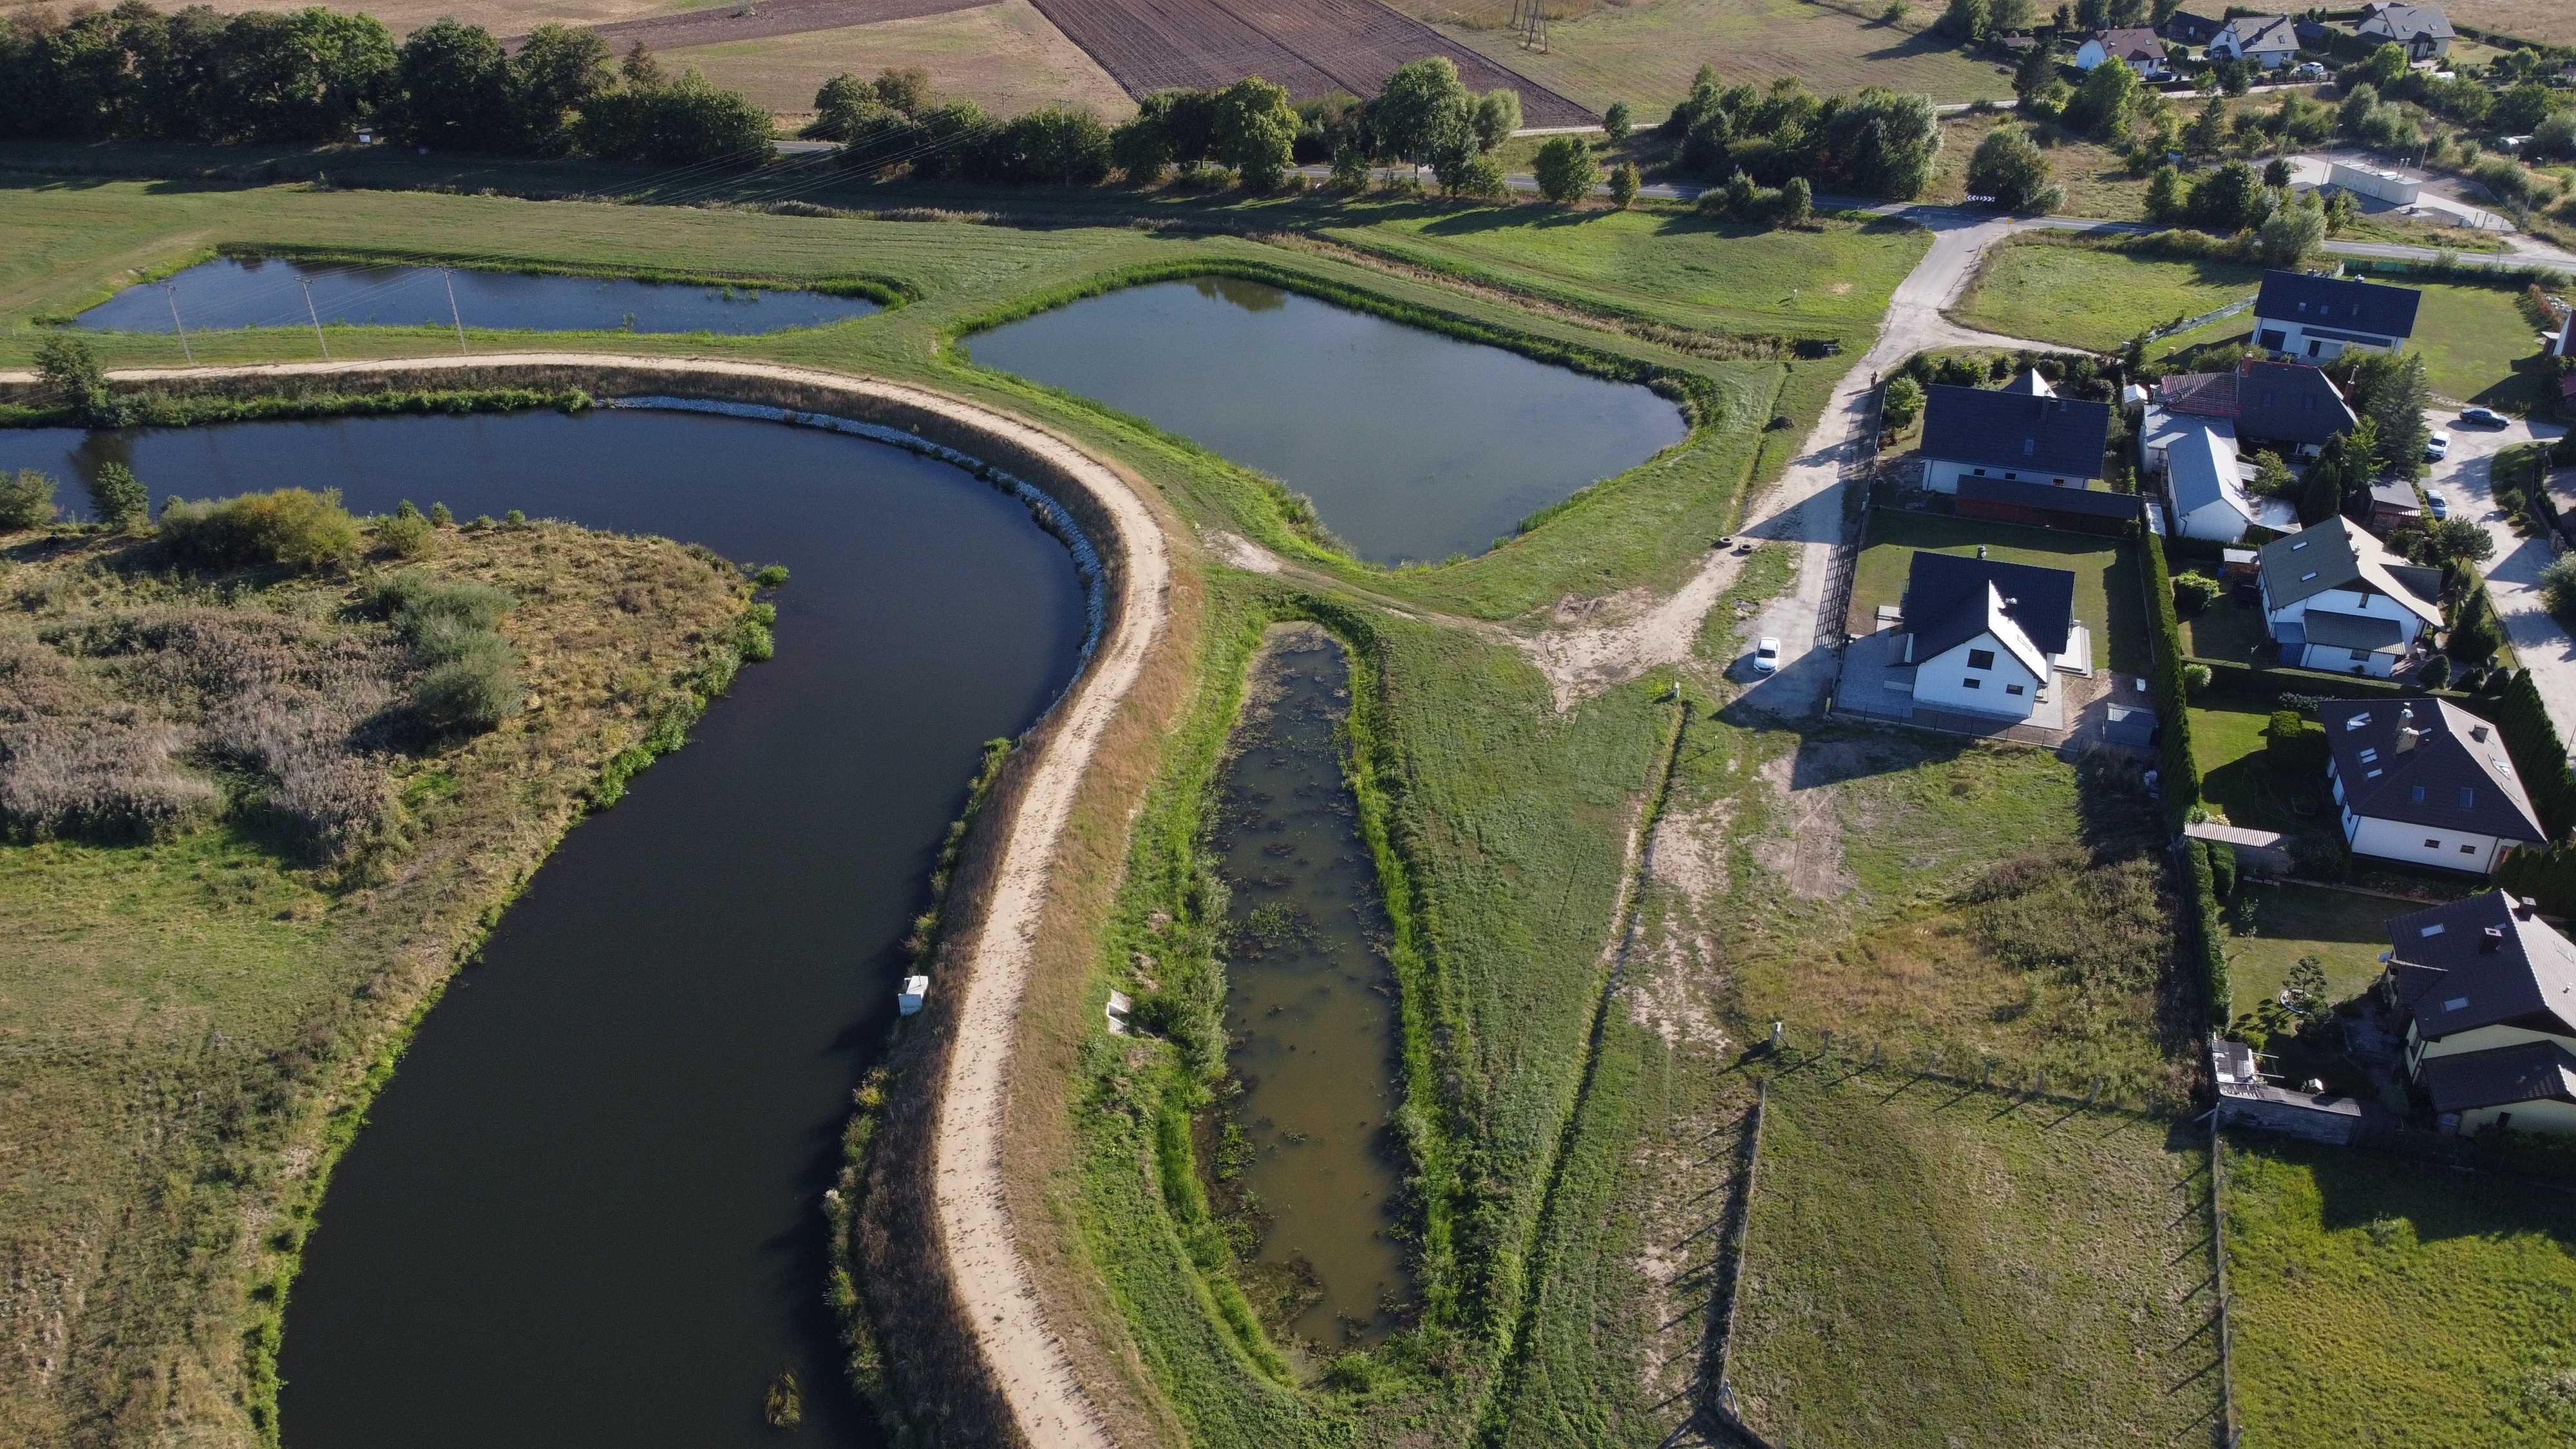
(2107, 600)
(2345, 930)
(2384, 1302)
(1930, 1264)
(2095, 299)
(1004, 56)
(1645, 54)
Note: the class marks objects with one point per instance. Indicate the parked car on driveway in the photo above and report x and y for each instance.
(2482, 417)
(2437, 447)
(2441, 502)
(1766, 655)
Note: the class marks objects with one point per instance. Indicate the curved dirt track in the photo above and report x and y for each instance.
(992, 1280)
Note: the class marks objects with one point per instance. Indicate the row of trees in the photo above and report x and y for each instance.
(134, 73)
(1876, 141)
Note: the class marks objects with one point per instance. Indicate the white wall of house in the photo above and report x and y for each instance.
(2541, 1116)
(2372, 605)
(2216, 519)
(2229, 46)
(2292, 338)
(2003, 687)
(1942, 476)
(2420, 47)
(2417, 844)
(2484, 1038)
(2335, 659)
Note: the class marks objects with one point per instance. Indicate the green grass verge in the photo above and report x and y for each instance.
(2095, 298)
(2382, 1302)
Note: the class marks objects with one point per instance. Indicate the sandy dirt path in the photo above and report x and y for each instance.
(992, 1279)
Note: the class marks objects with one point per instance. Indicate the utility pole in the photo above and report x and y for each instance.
(171, 291)
(452, 316)
(317, 318)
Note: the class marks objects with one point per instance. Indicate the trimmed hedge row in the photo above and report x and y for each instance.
(2539, 755)
(2208, 937)
(2173, 700)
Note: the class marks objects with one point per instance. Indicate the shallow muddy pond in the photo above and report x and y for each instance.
(1310, 1004)
(1413, 445)
(586, 1210)
(233, 292)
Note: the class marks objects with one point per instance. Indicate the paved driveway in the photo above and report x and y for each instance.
(2513, 574)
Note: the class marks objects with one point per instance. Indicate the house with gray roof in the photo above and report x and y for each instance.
(2318, 318)
(2487, 992)
(2423, 29)
(2424, 782)
(2137, 47)
(1988, 637)
(2335, 598)
(2205, 489)
(2266, 40)
(2017, 435)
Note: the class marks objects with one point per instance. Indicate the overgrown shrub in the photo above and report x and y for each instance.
(294, 528)
(407, 536)
(2194, 592)
(26, 499)
(476, 690)
(117, 497)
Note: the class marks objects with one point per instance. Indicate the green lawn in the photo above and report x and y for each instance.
(2226, 629)
(2093, 298)
(1928, 1264)
(2107, 597)
(2476, 344)
(2229, 744)
(1668, 267)
(2382, 1302)
(2345, 930)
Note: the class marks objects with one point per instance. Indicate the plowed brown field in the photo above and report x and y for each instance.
(1310, 46)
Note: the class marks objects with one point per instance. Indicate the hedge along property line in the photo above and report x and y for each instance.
(2173, 699)
(935, 1360)
(1699, 400)
(153, 409)
(298, 1207)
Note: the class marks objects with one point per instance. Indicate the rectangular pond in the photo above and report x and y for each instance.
(231, 292)
(1413, 445)
(1311, 1019)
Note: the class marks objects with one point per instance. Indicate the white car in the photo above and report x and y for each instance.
(2437, 447)
(1766, 654)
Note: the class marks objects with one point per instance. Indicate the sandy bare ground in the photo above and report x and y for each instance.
(991, 1278)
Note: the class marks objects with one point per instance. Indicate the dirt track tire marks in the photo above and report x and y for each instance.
(992, 1280)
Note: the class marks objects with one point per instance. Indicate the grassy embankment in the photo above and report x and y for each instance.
(1481, 799)
(2382, 1302)
(187, 1014)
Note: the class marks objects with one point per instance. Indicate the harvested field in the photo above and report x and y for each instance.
(717, 24)
(1004, 57)
(2551, 22)
(1313, 48)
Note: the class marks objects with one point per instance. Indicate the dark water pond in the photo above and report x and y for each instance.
(1412, 444)
(587, 1208)
(1310, 1004)
(252, 292)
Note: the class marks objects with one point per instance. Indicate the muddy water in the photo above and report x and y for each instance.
(1311, 1007)
(254, 292)
(1412, 444)
(586, 1210)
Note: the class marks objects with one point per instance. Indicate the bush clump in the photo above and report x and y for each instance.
(26, 500)
(294, 528)
(471, 682)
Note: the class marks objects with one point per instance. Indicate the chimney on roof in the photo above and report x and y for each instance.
(2491, 939)
(2525, 907)
(1981, 550)
(2407, 735)
(2478, 732)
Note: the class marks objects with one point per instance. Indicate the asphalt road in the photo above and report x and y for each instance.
(2466, 477)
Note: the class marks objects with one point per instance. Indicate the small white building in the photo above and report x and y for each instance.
(2013, 434)
(2377, 182)
(1987, 637)
(2268, 41)
(2319, 318)
(2205, 489)
(915, 990)
(2335, 598)
(2423, 782)
(2488, 994)
(2424, 30)
(2140, 48)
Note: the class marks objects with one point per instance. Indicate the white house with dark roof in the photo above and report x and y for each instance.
(2424, 782)
(2335, 598)
(2205, 490)
(1986, 636)
(2423, 29)
(2267, 40)
(2140, 48)
(2317, 319)
(2487, 991)
(2014, 434)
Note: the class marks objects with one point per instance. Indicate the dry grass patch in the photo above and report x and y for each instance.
(1005, 57)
